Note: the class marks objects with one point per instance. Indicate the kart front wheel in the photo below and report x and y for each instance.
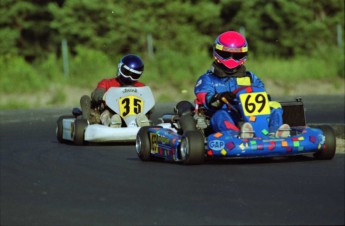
(79, 131)
(142, 144)
(193, 148)
(328, 151)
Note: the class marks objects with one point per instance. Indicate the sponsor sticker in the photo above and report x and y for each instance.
(217, 145)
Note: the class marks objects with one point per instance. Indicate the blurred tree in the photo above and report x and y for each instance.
(25, 28)
(35, 28)
(123, 26)
(285, 28)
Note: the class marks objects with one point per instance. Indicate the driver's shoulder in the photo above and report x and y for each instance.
(109, 82)
(250, 74)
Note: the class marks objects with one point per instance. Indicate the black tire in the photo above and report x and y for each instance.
(184, 107)
(330, 144)
(79, 131)
(142, 143)
(59, 127)
(193, 148)
(187, 123)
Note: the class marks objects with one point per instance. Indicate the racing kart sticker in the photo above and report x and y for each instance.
(154, 143)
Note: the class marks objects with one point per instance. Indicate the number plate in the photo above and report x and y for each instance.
(130, 105)
(255, 103)
(154, 143)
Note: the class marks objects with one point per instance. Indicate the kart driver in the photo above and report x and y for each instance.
(130, 69)
(217, 86)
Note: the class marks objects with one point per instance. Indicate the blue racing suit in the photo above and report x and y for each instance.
(223, 119)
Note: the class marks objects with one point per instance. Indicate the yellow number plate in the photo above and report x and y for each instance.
(255, 103)
(130, 105)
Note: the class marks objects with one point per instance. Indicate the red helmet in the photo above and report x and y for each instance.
(230, 49)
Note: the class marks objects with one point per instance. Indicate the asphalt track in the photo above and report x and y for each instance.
(47, 183)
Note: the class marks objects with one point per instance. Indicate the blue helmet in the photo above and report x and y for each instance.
(130, 69)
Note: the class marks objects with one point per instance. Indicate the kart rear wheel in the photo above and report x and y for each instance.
(79, 131)
(184, 107)
(187, 123)
(142, 143)
(330, 144)
(59, 127)
(193, 148)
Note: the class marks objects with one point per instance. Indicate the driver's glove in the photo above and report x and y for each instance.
(218, 99)
(97, 95)
(227, 97)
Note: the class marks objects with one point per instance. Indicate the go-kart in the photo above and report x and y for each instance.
(127, 102)
(187, 137)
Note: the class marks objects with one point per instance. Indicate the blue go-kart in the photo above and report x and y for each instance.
(187, 135)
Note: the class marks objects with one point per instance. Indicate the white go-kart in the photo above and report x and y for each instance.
(127, 102)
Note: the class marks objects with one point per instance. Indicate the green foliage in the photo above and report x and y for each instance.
(13, 104)
(50, 68)
(285, 28)
(58, 98)
(109, 27)
(26, 28)
(19, 76)
(8, 41)
(288, 40)
(340, 65)
(324, 64)
(178, 68)
(89, 66)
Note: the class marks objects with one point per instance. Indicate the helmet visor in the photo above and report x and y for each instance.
(227, 55)
(128, 72)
